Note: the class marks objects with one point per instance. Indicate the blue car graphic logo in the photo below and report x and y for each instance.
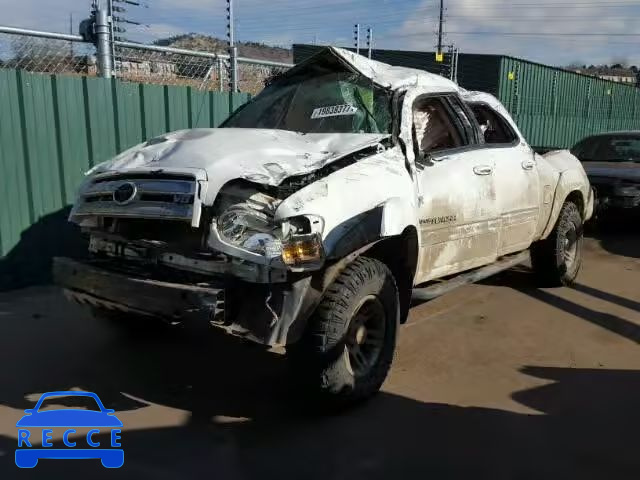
(69, 419)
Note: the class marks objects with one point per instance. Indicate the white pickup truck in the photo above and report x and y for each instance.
(314, 213)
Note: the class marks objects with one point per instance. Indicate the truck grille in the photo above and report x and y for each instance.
(140, 196)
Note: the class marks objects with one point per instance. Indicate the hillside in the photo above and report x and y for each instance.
(193, 41)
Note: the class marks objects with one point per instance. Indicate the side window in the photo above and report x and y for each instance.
(495, 129)
(467, 122)
(435, 127)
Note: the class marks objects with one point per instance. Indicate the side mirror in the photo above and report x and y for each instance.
(109, 411)
(29, 411)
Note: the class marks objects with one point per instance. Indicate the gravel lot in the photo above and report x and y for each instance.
(495, 381)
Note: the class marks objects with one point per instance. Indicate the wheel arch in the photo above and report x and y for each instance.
(575, 196)
(400, 254)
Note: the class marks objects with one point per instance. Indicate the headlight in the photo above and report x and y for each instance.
(297, 241)
(246, 228)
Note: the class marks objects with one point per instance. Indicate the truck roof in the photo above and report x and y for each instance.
(385, 75)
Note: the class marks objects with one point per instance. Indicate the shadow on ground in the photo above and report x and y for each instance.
(523, 280)
(619, 235)
(587, 426)
(29, 262)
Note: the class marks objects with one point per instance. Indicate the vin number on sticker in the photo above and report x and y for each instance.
(334, 111)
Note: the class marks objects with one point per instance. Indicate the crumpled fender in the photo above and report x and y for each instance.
(368, 200)
(572, 179)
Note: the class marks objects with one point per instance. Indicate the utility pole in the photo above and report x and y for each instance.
(71, 33)
(102, 32)
(111, 32)
(440, 27)
(356, 37)
(369, 41)
(233, 50)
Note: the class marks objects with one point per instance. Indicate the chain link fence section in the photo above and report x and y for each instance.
(55, 53)
(44, 52)
(169, 66)
(198, 69)
(253, 77)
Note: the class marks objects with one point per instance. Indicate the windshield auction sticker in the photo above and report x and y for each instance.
(334, 111)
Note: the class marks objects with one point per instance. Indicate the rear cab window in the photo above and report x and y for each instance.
(495, 129)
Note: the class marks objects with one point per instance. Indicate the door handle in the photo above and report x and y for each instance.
(528, 164)
(483, 170)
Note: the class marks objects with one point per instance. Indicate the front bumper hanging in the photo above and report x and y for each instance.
(91, 285)
(268, 314)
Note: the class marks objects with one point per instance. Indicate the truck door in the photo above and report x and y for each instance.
(458, 214)
(517, 180)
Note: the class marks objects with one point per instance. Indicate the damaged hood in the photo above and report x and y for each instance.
(613, 170)
(225, 154)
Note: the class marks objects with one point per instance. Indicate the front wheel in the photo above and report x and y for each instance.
(557, 259)
(351, 338)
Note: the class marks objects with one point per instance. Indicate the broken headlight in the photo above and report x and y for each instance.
(302, 247)
(251, 230)
(247, 228)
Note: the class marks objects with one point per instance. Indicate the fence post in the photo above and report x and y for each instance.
(103, 43)
(234, 68)
(220, 74)
(455, 76)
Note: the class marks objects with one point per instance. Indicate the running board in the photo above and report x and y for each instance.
(439, 289)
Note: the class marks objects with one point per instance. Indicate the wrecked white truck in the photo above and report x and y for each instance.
(311, 216)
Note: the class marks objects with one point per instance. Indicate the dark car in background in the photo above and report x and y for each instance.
(612, 163)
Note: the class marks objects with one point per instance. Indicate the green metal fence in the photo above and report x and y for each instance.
(55, 127)
(556, 108)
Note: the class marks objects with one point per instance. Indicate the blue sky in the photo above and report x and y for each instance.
(478, 26)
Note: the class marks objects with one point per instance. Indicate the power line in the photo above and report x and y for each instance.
(523, 34)
(549, 34)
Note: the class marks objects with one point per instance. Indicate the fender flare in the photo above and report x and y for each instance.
(562, 192)
(389, 219)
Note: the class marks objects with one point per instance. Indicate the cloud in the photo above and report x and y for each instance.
(402, 24)
(44, 15)
(543, 19)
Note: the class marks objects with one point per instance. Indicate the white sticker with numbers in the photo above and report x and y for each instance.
(334, 111)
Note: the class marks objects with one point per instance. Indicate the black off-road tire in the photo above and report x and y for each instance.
(325, 362)
(556, 260)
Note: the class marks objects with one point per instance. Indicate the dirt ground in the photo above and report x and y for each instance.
(495, 381)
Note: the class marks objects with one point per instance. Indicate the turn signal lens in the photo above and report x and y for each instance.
(302, 249)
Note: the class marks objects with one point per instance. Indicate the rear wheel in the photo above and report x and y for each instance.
(350, 342)
(557, 259)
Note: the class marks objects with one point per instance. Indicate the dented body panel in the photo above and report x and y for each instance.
(263, 219)
(571, 180)
(380, 181)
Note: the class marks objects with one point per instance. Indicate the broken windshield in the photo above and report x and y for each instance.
(333, 102)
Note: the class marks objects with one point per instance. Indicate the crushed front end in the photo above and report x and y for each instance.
(156, 249)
